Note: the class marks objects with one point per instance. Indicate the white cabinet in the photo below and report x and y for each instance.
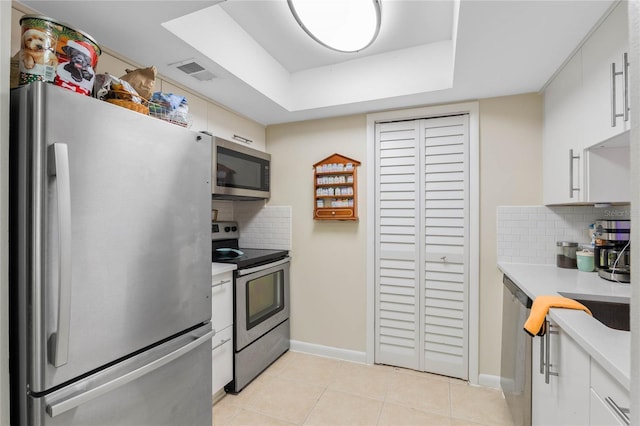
(610, 401)
(232, 127)
(565, 398)
(222, 323)
(563, 142)
(604, 93)
(578, 108)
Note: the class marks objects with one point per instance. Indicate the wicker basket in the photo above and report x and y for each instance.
(123, 98)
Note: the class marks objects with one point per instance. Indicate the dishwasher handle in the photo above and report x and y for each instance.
(517, 292)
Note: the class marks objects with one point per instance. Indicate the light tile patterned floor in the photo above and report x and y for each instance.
(301, 389)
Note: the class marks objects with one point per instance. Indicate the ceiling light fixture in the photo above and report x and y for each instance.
(343, 25)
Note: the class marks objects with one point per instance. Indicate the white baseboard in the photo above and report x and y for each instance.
(489, 381)
(329, 352)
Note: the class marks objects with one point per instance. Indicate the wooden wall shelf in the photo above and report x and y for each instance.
(336, 188)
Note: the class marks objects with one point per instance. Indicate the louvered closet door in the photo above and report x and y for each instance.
(445, 243)
(397, 245)
(421, 246)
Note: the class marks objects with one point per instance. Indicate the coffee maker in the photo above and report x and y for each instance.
(612, 250)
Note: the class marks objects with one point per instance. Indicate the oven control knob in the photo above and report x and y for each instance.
(234, 228)
(227, 228)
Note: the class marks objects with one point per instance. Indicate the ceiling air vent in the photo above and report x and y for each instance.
(196, 71)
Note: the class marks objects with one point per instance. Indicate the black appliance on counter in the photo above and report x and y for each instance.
(612, 250)
(261, 303)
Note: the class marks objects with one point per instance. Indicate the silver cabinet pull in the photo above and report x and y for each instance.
(56, 409)
(625, 81)
(548, 365)
(622, 413)
(58, 166)
(222, 342)
(542, 354)
(221, 283)
(242, 139)
(572, 158)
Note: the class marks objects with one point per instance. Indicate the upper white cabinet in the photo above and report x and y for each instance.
(232, 127)
(585, 150)
(605, 78)
(563, 140)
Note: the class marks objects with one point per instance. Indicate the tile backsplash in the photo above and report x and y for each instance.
(528, 234)
(267, 227)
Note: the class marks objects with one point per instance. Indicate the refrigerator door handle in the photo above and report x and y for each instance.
(59, 167)
(65, 405)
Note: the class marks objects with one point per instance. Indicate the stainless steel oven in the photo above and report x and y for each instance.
(262, 300)
(261, 321)
(261, 303)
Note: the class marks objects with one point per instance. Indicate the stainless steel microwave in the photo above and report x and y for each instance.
(239, 172)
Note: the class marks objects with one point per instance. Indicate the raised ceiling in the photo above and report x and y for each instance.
(268, 69)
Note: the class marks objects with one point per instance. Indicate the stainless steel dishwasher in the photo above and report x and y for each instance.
(515, 368)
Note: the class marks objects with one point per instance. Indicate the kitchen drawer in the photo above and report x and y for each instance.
(604, 387)
(222, 359)
(222, 300)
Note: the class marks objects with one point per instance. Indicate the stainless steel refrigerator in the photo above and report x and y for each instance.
(110, 264)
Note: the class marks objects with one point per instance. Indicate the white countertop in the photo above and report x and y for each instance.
(221, 268)
(610, 348)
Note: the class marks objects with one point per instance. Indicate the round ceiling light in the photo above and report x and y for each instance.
(342, 25)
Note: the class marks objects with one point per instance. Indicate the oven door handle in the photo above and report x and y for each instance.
(242, 272)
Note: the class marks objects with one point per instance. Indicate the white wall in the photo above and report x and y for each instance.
(329, 265)
(328, 268)
(510, 174)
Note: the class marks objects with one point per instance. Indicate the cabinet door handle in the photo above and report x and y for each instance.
(548, 365)
(222, 342)
(614, 113)
(572, 158)
(622, 413)
(542, 354)
(625, 93)
(221, 283)
(625, 79)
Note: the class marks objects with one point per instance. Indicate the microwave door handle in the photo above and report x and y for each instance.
(242, 272)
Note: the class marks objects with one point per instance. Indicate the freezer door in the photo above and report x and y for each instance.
(113, 231)
(168, 385)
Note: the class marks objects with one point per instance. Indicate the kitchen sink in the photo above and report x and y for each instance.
(612, 314)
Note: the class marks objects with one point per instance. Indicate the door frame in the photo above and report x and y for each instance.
(471, 108)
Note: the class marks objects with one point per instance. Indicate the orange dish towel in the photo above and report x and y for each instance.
(540, 308)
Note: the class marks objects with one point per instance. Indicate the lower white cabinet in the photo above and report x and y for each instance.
(610, 401)
(579, 391)
(222, 358)
(558, 360)
(222, 323)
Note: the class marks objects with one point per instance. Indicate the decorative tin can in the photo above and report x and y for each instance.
(54, 52)
(37, 58)
(77, 54)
